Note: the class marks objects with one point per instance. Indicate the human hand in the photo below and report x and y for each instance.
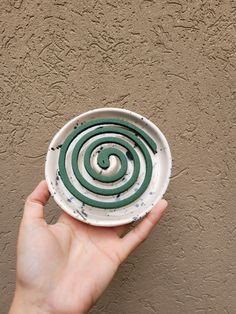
(65, 267)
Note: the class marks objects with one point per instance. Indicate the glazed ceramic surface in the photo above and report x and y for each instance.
(108, 166)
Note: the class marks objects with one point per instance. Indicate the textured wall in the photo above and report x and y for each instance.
(173, 61)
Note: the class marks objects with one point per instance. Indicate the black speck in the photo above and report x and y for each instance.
(84, 213)
(57, 179)
(100, 127)
(52, 148)
(81, 214)
(69, 200)
(75, 127)
(118, 195)
(142, 118)
(59, 146)
(101, 147)
(129, 155)
(123, 179)
(135, 145)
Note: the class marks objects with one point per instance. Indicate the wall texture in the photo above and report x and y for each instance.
(173, 61)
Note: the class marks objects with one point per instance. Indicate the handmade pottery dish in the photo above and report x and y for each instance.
(108, 166)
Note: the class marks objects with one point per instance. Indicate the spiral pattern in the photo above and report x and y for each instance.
(107, 126)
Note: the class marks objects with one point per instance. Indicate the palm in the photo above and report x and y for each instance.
(71, 263)
(91, 263)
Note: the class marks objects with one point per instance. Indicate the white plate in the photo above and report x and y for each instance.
(81, 206)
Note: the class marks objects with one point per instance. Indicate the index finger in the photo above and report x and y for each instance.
(35, 202)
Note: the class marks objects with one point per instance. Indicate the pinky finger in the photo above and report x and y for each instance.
(141, 231)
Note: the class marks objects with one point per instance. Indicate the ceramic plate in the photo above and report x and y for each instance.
(108, 167)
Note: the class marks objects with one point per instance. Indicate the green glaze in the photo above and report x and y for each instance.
(88, 167)
(132, 132)
(103, 161)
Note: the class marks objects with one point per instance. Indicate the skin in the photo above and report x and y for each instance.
(65, 267)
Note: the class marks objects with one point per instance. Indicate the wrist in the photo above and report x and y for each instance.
(28, 303)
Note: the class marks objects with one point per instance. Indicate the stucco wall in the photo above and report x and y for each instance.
(175, 63)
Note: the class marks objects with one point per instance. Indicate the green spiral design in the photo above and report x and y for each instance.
(110, 126)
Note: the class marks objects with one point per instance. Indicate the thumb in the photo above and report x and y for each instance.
(35, 202)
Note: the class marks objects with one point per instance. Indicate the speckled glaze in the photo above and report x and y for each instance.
(160, 161)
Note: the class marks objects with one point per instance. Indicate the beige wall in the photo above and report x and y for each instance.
(175, 63)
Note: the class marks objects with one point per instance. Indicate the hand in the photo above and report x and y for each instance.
(65, 267)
